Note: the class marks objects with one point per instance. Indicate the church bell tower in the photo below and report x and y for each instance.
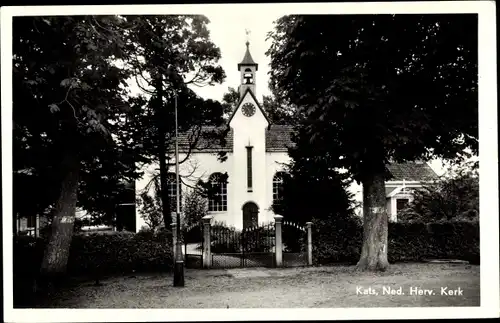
(248, 69)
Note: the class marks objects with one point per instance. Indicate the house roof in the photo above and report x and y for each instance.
(411, 171)
(247, 59)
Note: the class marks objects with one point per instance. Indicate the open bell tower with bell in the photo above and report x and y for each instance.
(248, 70)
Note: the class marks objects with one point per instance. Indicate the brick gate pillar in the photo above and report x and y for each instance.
(309, 244)
(207, 256)
(279, 242)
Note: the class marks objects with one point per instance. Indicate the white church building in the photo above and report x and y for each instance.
(256, 151)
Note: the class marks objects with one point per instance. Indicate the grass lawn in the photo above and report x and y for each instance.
(313, 287)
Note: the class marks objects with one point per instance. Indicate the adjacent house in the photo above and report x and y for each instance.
(406, 178)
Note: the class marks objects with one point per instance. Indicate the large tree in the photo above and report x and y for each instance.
(311, 188)
(67, 94)
(380, 88)
(229, 101)
(172, 54)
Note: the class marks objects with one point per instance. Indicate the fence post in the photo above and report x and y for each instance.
(174, 238)
(309, 244)
(279, 242)
(207, 257)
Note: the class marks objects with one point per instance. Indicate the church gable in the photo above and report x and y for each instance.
(248, 97)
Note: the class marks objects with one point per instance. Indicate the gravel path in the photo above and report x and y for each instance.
(313, 287)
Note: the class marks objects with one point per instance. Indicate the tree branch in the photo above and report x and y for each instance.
(140, 86)
(70, 105)
(190, 149)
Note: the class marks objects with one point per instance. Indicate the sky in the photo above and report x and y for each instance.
(228, 32)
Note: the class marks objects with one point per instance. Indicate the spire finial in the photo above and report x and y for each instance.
(247, 59)
(247, 32)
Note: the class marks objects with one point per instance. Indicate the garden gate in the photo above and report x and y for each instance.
(279, 244)
(294, 244)
(192, 238)
(250, 247)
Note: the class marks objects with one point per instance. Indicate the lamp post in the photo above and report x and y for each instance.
(179, 260)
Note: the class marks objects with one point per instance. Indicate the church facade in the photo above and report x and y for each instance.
(256, 151)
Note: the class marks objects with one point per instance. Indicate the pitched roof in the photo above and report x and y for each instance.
(278, 139)
(247, 59)
(206, 139)
(411, 171)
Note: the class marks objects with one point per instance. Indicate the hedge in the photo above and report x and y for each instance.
(340, 240)
(91, 256)
(116, 253)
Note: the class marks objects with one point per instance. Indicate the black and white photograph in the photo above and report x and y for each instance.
(252, 161)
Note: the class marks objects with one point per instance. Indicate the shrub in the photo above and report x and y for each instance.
(294, 239)
(121, 253)
(454, 197)
(100, 254)
(340, 240)
(195, 208)
(336, 239)
(92, 255)
(149, 203)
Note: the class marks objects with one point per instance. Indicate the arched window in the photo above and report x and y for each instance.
(248, 76)
(172, 192)
(277, 187)
(217, 200)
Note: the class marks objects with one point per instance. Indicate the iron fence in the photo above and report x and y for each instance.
(250, 247)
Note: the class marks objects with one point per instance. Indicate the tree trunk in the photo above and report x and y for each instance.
(375, 230)
(15, 223)
(56, 254)
(165, 200)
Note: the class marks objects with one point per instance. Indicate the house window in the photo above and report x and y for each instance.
(401, 204)
(277, 187)
(172, 192)
(217, 200)
(249, 168)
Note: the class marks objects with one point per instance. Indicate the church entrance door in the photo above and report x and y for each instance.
(250, 215)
